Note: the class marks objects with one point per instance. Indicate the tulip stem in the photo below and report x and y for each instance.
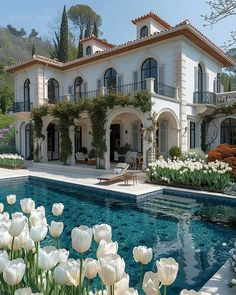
(80, 274)
(111, 289)
(12, 245)
(141, 276)
(88, 287)
(37, 259)
(165, 290)
(102, 287)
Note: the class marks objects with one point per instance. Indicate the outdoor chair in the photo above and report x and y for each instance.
(118, 175)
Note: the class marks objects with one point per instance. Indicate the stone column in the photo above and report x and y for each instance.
(72, 138)
(150, 85)
(184, 127)
(102, 91)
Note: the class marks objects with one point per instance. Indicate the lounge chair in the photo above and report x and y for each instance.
(119, 172)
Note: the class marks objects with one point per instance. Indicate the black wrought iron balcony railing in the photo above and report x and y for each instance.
(22, 107)
(204, 97)
(165, 90)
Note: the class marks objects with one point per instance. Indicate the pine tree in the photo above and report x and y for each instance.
(80, 46)
(64, 43)
(88, 32)
(95, 30)
(33, 50)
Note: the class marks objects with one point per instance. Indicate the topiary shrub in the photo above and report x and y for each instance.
(175, 151)
(214, 155)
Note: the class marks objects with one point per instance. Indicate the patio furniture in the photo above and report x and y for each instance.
(81, 156)
(131, 176)
(118, 175)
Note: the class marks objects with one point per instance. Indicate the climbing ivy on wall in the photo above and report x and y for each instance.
(67, 112)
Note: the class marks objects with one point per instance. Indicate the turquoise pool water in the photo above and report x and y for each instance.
(197, 235)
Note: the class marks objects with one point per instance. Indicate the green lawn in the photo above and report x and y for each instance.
(6, 120)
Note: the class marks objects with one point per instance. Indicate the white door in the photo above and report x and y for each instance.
(163, 138)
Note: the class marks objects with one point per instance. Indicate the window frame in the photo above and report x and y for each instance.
(53, 83)
(144, 32)
(192, 135)
(149, 69)
(110, 79)
(27, 95)
(78, 83)
(88, 50)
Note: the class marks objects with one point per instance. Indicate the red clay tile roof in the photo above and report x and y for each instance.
(102, 41)
(182, 29)
(152, 15)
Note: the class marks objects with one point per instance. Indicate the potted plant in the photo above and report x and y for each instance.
(92, 157)
(121, 153)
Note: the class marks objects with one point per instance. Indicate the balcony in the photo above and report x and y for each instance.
(22, 107)
(226, 98)
(204, 97)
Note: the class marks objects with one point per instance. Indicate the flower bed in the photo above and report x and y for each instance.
(12, 161)
(26, 268)
(214, 176)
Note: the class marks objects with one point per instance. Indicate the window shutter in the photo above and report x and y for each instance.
(70, 89)
(135, 80)
(85, 84)
(206, 82)
(195, 79)
(99, 83)
(215, 85)
(161, 74)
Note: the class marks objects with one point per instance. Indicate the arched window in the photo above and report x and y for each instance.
(218, 83)
(78, 88)
(200, 78)
(149, 70)
(228, 131)
(144, 32)
(110, 78)
(27, 95)
(53, 90)
(88, 50)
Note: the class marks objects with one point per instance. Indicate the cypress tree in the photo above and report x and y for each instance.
(33, 50)
(88, 30)
(95, 30)
(229, 87)
(64, 42)
(80, 46)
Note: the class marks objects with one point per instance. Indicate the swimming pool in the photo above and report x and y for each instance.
(198, 235)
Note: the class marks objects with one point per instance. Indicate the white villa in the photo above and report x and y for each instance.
(178, 65)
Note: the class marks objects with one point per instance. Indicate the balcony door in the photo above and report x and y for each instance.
(149, 69)
(53, 142)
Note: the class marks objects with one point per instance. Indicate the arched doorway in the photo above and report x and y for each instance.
(29, 144)
(228, 131)
(52, 142)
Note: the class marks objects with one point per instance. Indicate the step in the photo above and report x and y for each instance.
(164, 207)
(175, 199)
(172, 204)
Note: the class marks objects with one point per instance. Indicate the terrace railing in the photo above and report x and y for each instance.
(204, 97)
(226, 98)
(22, 107)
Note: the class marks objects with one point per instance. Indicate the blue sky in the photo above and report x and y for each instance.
(116, 16)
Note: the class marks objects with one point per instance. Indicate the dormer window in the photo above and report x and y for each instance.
(88, 50)
(144, 32)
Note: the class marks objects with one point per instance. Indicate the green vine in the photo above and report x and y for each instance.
(67, 112)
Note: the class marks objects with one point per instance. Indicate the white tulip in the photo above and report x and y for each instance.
(167, 270)
(111, 269)
(17, 245)
(131, 291)
(17, 215)
(102, 232)
(81, 238)
(151, 283)
(40, 210)
(63, 255)
(60, 274)
(73, 272)
(48, 258)
(4, 217)
(14, 272)
(3, 260)
(90, 268)
(29, 244)
(17, 226)
(122, 286)
(24, 291)
(105, 248)
(142, 254)
(1, 207)
(27, 205)
(11, 199)
(38, 232)
(37, 218)
(5, 238)
(56, 229)
(57, 209)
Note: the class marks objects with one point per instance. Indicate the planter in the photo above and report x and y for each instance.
(121, 158)
(91, 161)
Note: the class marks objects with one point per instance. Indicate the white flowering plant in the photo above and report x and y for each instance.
(214, 176)
(27, 268)
(11, 161)
(194, 155)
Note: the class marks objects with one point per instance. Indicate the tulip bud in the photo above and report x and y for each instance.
(167, 270)
(29, 244)
(90, 268)
(102, 232)
(81, 238)
(38, 232)
(27, 205)
(105, 248)
(3, 260)
(151, 283)
(57, 209)
(11, 199)
(14, 272)
(17, 226)
(56, 229)
(48, 258)
(1, 207)
(142, 254)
